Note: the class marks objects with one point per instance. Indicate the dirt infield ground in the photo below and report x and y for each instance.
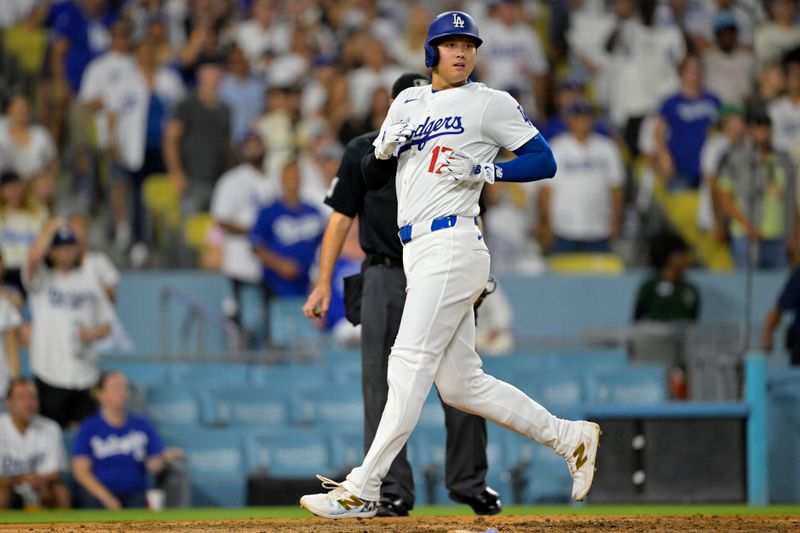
(503, 524)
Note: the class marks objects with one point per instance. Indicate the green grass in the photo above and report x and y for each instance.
(449, 510)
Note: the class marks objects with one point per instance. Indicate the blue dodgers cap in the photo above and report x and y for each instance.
(63, 235)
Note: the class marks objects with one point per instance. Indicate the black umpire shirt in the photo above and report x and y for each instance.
(376, 209)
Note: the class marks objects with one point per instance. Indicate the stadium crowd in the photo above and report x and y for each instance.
(205, 133)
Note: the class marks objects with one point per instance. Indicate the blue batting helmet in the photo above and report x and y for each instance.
(448, 23)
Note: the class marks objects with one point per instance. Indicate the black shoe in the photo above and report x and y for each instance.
(486, 503)
(393, 507)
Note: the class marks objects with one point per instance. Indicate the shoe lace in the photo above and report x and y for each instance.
(336, 490)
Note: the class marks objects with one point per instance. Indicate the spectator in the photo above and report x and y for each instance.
(730, 137)
(80, 33)
(242, 92)
(590, 26)
(292, 67)
(279, 124)
(769, 85)
(409, 50)
(788, 301)
(644, 58)
(580, 210)
(197, 141)
(746, 15)
(27, 41)
(757, 192)
(779, 34)
(28, 150)
(682, 127)
(114, 451)
(569, 91)
(508, 225)
(512, 58)
(10, 321)
(260, 35)
(69, 314)
(376, 71)
(105, 77)
(238, 196)
(96, 264)
(728, 68)
(667, 296)
(138, 108)
(32, 456)
(784, 111)
(202, 47)
(286, 236)
(21, 220)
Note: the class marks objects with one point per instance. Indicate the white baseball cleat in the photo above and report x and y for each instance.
(338, 502)
(581, 460)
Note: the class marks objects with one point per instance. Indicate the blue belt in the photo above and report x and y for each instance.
(407, 232)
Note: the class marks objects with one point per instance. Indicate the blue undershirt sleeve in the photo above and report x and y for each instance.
(534, 162)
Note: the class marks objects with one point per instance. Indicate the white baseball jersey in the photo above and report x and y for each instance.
(472, 118)
(102, 77)
(101, 269)
(39, 450)
(62, 304)
(9, 319)
(238, 196)
(580, 205)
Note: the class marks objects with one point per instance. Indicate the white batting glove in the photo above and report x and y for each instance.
(394, 136)
(461, 167)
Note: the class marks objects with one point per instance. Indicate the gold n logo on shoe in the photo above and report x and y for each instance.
(580, 453)
(348, 504)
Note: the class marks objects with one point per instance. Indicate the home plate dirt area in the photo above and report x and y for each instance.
(502, 524)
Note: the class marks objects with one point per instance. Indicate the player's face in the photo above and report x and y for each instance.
(456, 60)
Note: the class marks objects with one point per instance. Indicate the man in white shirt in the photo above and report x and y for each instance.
(104, 77)
(514, 60)
(260, 35)
(785, 111)
(581, 210)
(237, 198)
(32, 455)
(376, 71)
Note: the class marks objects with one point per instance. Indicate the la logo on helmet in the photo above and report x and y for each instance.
(458, 22)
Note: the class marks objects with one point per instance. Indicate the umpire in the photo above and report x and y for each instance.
(382, 300)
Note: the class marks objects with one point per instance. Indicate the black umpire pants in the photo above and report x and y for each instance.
(384, 295)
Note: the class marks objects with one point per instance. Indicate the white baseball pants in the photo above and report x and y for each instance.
(446, 271)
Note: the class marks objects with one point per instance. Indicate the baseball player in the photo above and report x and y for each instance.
(381, 308)
(446, 137)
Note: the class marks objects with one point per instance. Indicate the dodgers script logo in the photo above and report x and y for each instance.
(458, 22)
(430, 129)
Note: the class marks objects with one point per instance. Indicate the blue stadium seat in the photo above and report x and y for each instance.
(168, 405)
(289, 454)
(634, 385)
(347, 449)
(209, 373)
(289, 377)
(548, 479)
(333, 407)
(216, 465)
(253, 407)
(289, 327)
(138, 372)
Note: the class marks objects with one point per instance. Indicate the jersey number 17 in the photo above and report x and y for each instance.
(437, 151)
